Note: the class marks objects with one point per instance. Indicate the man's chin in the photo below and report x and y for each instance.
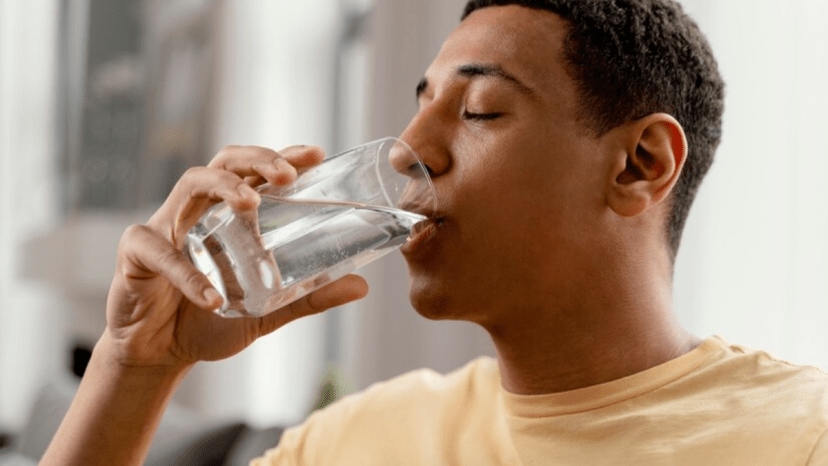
(428, 301)
(437, 303)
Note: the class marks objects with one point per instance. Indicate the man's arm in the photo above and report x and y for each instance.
(114, 414)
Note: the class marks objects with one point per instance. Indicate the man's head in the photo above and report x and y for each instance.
(543, 202)
(633, 58)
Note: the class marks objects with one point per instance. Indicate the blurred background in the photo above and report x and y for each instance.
(104, 103)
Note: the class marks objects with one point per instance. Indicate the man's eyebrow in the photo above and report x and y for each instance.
(485, 70)
(476, 69)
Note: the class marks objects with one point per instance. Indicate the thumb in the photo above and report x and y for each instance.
(346, 289)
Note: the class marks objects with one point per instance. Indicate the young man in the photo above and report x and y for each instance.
(566, 139)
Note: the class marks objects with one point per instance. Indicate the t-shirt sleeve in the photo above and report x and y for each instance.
(304, 444)
(274, 457)
(819, 456)
(285, 454)
(416, 417)
(315, 440)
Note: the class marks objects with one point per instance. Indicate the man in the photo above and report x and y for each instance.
(566, 139)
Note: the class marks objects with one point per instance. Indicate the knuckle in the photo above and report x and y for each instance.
(236, 152)
(131, 247)
(263, 156)
(272, 154)
(221, 156)
(187, 178)
(227, 151)
(131, 235)
(197, 180)
(192, 173)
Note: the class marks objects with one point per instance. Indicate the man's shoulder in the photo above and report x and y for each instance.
(757, 386)
(407, 416)
(754, 405)
(395, 408)
(748, 368)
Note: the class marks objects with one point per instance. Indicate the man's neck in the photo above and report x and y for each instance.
(557, 350)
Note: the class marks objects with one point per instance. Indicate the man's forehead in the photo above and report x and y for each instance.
(524, 42)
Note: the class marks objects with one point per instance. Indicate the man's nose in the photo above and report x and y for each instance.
(404, 160)
(427, 135)
(417, 194)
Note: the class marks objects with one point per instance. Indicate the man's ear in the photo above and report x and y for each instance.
(645, 172)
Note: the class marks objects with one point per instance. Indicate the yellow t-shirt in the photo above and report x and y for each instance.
(719, 404)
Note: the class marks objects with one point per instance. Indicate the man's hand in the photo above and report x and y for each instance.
(158, 307)
(159, 319)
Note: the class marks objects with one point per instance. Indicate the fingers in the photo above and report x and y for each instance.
(346, 289)
(258, 164)
(144, 254)
(228, 178)
(197, 189)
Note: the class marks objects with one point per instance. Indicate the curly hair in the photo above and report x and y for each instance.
(633, 58)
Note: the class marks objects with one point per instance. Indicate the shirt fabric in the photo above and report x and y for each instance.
(719, 404)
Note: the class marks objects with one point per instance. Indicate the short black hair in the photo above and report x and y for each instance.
(633, 58)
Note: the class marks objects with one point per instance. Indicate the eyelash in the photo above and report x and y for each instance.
(481, 116)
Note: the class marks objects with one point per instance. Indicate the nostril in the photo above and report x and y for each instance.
(432, 154)
(415, 169)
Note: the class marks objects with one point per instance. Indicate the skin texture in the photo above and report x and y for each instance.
(548, 236)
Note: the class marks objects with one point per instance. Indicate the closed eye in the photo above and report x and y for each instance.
(481, 116)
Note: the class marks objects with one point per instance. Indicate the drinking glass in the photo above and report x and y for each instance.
(352, 209)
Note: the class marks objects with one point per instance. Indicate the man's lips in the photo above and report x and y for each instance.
(421, 232)
(421, 228)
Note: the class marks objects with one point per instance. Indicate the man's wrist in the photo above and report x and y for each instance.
(108, 354)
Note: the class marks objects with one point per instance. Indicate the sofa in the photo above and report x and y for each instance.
(184, 437)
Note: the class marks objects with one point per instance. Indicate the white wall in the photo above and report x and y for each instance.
(754, 264)
(32, 329)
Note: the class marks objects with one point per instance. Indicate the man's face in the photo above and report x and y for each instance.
(518, 188)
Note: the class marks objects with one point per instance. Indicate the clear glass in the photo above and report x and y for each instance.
(350, 210)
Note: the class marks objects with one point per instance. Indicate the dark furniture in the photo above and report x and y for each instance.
(184, 437)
